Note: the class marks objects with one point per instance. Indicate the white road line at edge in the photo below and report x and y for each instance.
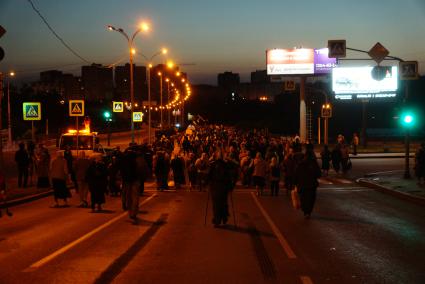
(74, 243)
(306, 280)
(283, 242)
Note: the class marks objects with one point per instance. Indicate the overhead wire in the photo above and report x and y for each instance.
(56, 34)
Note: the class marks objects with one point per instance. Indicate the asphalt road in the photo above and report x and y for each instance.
(356, 235)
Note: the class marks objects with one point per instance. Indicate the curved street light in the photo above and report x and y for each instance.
(143, 27)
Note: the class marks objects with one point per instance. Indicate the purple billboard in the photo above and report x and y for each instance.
(322, 63)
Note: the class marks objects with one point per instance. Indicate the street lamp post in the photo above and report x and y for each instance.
(143, 27)
(160, 94)
(9, 122)
(168, 102)
(148, 75)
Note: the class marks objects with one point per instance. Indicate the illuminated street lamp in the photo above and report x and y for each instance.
(143, 27)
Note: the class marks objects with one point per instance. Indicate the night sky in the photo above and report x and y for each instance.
(216, 36)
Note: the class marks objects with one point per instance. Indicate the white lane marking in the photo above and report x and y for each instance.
(306, 279)
(351, 188)
(342, 180)
(324, 181)
(81, 239)
(283, 242)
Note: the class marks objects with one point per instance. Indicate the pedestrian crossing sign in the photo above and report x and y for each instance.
(32, 111)
(76, 108)
(118, 106)
(138, 116)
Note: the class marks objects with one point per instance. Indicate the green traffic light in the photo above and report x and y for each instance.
(107, 114)
(408, 119)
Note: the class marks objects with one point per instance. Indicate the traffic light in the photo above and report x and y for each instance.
(107, 115)
(408, 119)
(2, 32)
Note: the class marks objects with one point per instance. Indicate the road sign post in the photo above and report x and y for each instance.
(32, 111)
(76, 108)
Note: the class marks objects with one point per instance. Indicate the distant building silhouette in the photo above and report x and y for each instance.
(122, 82)
(54, 81)
(97, 82)
(228, 80)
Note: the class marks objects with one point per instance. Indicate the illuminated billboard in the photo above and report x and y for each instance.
(357, 83)
(299, 61)
(290, 61)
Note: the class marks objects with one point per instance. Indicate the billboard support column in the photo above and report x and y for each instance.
(303, 120)
(326, 135)
(364, 123)
(318, 130)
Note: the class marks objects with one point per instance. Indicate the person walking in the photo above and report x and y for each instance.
(192, 171)
(42, 168)
(177, 165)
(326, 157)
(336, 158)
(274, 171)
(22, 161)
(420, 164)
(113, 177)
(202, 168)
(220, 184)
(70, 161)
(355, 143)
(59, 174)
(259, 173)
(129, 168)
(306, 179)
(97, 180)
(80, 168)
(162, 169)
(289, 165)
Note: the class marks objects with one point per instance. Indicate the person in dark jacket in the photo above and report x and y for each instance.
(162, 168)
(306, 175)
(22, 160)
(131, 169)
(274, 176)
(289, 165)
(70, 161)
(326, 158)
(336, 158)
(177, 165)
(97, 179)
(220, 184)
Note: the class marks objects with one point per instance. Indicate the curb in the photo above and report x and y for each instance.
(22, 200)
(402, 195)
(379, 157)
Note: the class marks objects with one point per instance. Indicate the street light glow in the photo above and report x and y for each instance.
(164, 51)
(170, 64)
(144, 26)
(11, 74)
(133, 51)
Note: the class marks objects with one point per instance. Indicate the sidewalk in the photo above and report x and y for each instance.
(16, 195)
(394, 184)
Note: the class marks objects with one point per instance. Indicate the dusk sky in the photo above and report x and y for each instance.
(216, 36)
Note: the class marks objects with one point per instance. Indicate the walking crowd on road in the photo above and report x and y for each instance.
(211, 157)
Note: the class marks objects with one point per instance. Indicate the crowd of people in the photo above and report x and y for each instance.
(211, 157)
